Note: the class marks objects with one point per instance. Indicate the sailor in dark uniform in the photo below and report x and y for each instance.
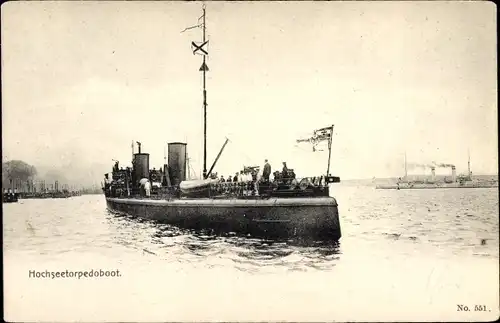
(284, 173)
(266, 172)
(285, 169)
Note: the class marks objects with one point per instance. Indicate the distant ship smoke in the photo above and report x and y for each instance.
(443, 165)
(411, 165)
(418, 165)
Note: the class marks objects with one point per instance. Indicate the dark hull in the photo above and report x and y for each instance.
(305, 217)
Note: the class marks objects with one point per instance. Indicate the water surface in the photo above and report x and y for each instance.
(404, 255)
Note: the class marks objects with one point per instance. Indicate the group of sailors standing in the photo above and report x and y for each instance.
(248, 180)
(252, 174)
(243, 176)
(249, 174)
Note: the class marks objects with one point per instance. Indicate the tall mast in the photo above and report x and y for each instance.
(204, 68)
(200, 48)
(406, 168)
(468, 162)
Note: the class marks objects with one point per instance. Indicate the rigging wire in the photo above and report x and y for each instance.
(191, 169)
(192, 27)
(238, 150)
(199, 25)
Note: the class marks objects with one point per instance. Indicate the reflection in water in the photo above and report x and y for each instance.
(376, 224)
(245, 253)
(384, 224)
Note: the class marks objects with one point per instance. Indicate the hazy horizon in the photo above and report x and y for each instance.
(82, 80)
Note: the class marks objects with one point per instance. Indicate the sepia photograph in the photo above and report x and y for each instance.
(250, 161)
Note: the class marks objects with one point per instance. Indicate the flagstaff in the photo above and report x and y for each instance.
(329, 151)
(320, 135)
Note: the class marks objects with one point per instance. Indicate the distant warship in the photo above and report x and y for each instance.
(285, 205)
(454, 181)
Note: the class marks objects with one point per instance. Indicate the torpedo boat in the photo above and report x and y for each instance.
(285, 205)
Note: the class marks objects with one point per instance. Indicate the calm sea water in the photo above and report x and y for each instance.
(404, 255)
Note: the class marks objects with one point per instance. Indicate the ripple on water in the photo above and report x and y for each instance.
(452, 222)
(389, 235)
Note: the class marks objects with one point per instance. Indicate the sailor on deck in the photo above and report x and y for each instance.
(246, 177)
(285, 170)
(147, 188)
(267, 171)
(256, 178)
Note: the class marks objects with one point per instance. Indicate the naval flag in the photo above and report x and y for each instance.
(319, 135)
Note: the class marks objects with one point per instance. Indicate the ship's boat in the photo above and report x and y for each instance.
(195, 188)
(286, 205)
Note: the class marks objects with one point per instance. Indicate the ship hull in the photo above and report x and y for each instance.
(305, 217)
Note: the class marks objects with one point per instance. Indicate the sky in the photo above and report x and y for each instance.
(82, 80)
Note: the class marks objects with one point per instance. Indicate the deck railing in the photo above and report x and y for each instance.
(310, 185)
